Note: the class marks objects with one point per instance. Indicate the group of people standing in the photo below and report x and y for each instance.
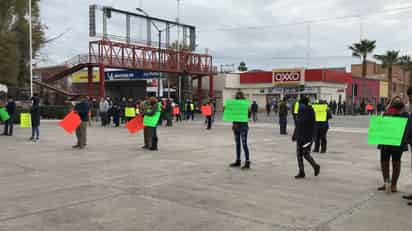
(11, 109)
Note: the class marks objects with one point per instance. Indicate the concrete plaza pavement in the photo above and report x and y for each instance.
(187, 185)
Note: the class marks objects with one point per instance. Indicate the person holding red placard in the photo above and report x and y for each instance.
(82, 109)
(207, 111)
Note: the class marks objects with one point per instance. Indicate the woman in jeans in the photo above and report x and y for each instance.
(240, 131)
(35, 118)
(388, 152)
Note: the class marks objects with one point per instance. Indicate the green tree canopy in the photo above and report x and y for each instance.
(389, 59)
(14, 40)
(242, 66)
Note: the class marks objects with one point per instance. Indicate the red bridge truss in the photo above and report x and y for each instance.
(108, 54)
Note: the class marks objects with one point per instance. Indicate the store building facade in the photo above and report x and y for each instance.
(268, 86)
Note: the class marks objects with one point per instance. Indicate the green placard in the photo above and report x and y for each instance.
(25, 120)
(386, 130)
(151, 121)
(4, 115)
(130, 112)
(236, 110)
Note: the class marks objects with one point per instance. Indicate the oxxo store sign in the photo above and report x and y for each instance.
(288, 77)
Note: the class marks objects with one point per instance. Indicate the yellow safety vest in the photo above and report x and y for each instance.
(296, 108)
(321, 112)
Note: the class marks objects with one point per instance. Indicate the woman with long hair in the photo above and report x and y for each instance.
(388, 152)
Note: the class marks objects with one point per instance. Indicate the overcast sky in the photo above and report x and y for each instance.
(265, 34)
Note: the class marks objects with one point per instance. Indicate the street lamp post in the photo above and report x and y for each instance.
(159, 48)
(30, 50)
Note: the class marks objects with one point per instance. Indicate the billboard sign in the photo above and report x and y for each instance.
(129, 75)
(81, 77)
(288, 77)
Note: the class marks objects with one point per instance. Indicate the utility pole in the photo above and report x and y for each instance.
(31, 50)
(178, 53)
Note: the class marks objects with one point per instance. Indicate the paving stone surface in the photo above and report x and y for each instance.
(187, 185)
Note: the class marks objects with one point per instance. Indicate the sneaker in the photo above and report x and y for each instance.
(76, 146)
(407, 197)
(300, 176)
(235, 164)
(410, 203)
(317, 170)
(246, 166)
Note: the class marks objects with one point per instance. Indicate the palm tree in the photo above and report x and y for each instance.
(406, 65)
(389, 59)
(361, 50)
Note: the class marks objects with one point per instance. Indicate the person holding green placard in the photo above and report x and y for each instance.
(388, 152)
(151, 119)
(240, 131)
(303, 135)
(8, 124)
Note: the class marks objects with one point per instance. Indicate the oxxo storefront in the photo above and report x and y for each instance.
(266, 86)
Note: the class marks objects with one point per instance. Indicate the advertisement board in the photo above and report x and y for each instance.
(81, 77)
(288, 77)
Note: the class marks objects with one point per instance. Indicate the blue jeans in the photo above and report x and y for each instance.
(35, 132)
(240, 133)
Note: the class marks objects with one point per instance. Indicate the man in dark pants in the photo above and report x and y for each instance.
(155, 113)
(254, 109)
(8, 124)
(283, 117)
(82, 109)
(322, 116)
(408, 109)
(303, 135)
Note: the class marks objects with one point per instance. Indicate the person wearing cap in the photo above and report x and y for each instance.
(322, 116)
(303, 135)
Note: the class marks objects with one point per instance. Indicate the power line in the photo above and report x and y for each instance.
(315, 21)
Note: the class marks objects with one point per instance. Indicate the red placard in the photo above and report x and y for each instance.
(176, 111)
(70, 122)
(135, 125)
(206, 110)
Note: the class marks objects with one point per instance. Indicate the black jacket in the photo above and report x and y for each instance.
(305, 125)
(35, 112)
(11, 108)
(82, 110)
(283, 109)
(254, 107)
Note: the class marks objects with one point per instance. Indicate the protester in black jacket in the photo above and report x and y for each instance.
(8, 124)
(82, 109)
(303, 135)
(35, 118)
